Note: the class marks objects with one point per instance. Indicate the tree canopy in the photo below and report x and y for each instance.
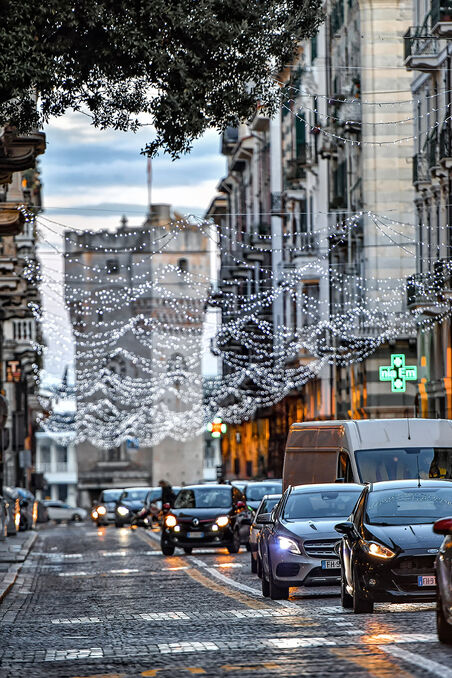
(188, 64)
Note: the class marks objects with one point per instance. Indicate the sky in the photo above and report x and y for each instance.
(90, 179)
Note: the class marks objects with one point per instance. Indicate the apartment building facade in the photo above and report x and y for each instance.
(428, 62)
(20, 193)
(339, 163)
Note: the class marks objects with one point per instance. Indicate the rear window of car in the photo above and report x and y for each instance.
(257, 491)
(204, 497)
(135, 495)
(111, 495)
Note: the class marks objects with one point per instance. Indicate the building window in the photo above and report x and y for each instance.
(62, 492)
(61, 458)
(112, 266)
(44, 458)
(182, 265)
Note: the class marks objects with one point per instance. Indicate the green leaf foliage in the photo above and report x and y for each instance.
(187, 64)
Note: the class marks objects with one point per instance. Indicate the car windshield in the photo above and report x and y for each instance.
(268, 505)
(256, 492)
(155, 495)
(404, 463)
(321, 504)
(135, 495)
(204, 497)
(410, 506)
(111, 495)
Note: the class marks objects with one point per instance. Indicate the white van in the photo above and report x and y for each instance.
(368, 450)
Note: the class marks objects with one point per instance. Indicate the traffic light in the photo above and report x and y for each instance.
(216, 427)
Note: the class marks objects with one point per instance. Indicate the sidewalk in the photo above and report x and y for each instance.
(13, 552)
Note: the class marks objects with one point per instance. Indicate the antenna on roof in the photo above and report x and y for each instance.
(408, 424)
(418, 471)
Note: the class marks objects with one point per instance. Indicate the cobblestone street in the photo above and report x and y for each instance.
(105, 602)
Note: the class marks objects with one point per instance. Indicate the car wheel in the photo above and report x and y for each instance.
(443, 628)
(118, 524)
(259, 567)
(188, 550)
(360, 604)
(346, 598)
(76, 518)
(265, 586)
(235, 546)
(253, 565)
(167, 548)
(277, 592)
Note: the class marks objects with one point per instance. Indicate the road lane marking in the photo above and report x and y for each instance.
(218, 588)
(186, 646)
(239, 585)
(195, 669)
(418, 660)
(376, 664)
(251, 667)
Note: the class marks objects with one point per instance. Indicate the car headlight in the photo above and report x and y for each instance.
(170, 521)
(123, 510)
(290, 545)
(378, 550)
(101, 510)
(94, 514)
(222, 521)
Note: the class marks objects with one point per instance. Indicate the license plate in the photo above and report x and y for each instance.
(426, 580)
(195, 535)
(330, 564)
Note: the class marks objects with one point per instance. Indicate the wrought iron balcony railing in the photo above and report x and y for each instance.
(421, 49)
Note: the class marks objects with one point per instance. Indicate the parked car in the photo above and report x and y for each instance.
(106, 505)
(389, 548)
(28, 509)
(13, 522)
(443, 567)
(204, 515)
(59, 510)
(296, 546)
(268, 503)
(130, 502)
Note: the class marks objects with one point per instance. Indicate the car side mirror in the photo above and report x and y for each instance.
(443, 526)
(347, 528)
(166, 506)
(241, 504)
(264, 519)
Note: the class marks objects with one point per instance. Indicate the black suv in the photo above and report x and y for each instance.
(204, 515)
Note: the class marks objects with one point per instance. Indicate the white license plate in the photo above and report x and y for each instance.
(429, 580)
(195, 535)
(330, 564)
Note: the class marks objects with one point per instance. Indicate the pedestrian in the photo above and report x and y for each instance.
(168, 495)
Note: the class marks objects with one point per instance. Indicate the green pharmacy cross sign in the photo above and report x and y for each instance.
(398, 373)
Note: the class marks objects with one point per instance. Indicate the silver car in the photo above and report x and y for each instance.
(268, 503)
(297, 542)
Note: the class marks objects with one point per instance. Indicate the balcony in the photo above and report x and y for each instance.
(423, 292)
(421, 169)
(421, 50)
(12, 218)
(18, 152)
(441, 18)
(305, 244)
